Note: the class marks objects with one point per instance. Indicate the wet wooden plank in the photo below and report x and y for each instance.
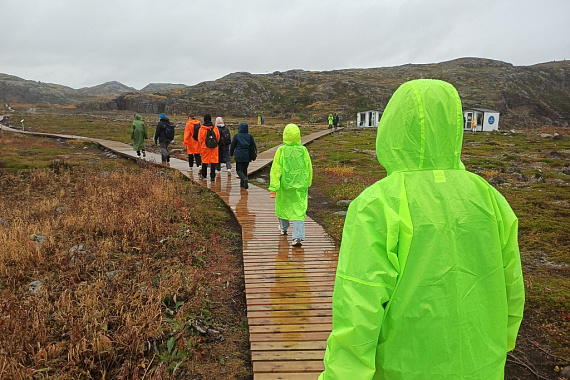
(289, 366)
(288, 345)
(286, 376)
(287, 355)
(290, 320)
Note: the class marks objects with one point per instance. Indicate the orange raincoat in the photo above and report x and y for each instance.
(193, 146)
(209, 155)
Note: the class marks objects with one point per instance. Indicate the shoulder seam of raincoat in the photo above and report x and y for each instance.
(379, 285)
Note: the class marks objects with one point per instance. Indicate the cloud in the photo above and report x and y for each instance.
(84, 43)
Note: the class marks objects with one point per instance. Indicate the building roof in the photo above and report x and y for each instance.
(480, 109)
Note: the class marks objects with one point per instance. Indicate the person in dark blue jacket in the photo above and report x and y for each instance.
(242, 143)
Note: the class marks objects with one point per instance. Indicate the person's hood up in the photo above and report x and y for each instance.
(138, 117)
(219, 121)
(243, 128)
(292, 135)
(421, 128)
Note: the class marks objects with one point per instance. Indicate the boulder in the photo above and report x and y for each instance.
(536, 178)
(34, 286)
(344, 202)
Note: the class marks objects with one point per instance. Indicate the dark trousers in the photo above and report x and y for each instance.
(192, 157)
(164, 151)
(241, 169)
(212, 171)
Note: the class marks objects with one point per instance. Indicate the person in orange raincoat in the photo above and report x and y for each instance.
(191, 142)
(205, 139)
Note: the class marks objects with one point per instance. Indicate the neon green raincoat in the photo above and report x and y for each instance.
(138, 133)
(429, 282)
(291, 176)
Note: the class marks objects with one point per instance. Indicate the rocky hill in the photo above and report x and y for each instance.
(526, 96)
(17, 90)
(156, 87)
(108, 88)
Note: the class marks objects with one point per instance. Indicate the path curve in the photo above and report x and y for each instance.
(288, 290)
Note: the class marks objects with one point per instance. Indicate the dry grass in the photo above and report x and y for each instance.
(156, 293)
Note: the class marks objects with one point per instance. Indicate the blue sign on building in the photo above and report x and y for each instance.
(491, 119)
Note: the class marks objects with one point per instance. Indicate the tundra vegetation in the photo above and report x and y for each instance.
(140, 269)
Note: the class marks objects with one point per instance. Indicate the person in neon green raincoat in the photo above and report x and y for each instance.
(429, 282)
(138, 134)
(291, 176)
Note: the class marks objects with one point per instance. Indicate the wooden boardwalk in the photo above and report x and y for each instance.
(288, 290)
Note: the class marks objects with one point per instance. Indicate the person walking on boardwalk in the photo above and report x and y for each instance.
(208, 137)
(224, 145)
(331, 120)
(191, 142)
(164, 135)
(244, 148)
(429, 282)
(335, 121)
(138, 135)
(291, 176)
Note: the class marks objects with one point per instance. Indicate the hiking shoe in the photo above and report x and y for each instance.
(144, 153)
(282, 232)
(296, 242)
(229, 171)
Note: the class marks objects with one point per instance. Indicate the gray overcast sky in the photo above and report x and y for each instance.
(82, 43)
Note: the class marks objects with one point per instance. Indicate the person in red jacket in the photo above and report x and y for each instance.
(191, 142)
(209, 155)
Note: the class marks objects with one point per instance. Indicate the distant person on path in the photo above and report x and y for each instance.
(138, 135)
(335, 121)
(244, 149)
(291, 177)
(191, 142)
(208, 137)
(429, 282)
(330, 120)
(224, 145)
(164, 135)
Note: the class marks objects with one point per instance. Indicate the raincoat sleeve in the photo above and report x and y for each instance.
(508, 233)
(309, 167)
(365, 280)
(132, 131)
(276, 171)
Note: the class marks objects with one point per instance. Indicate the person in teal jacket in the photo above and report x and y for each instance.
(291, 176)
(138, 135)
(429, 282)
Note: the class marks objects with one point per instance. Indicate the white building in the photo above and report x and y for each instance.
(480, 120)
(368, 118)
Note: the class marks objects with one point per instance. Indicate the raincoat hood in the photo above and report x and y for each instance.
(292, 135)
(138, 117)
(421, 128)
(243, 128)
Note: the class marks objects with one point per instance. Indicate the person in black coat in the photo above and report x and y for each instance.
(240, 147)
(160, 138)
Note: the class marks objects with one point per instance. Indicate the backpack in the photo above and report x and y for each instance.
(252, 149)
(169, 131)
(211, 139)
(225, 136)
